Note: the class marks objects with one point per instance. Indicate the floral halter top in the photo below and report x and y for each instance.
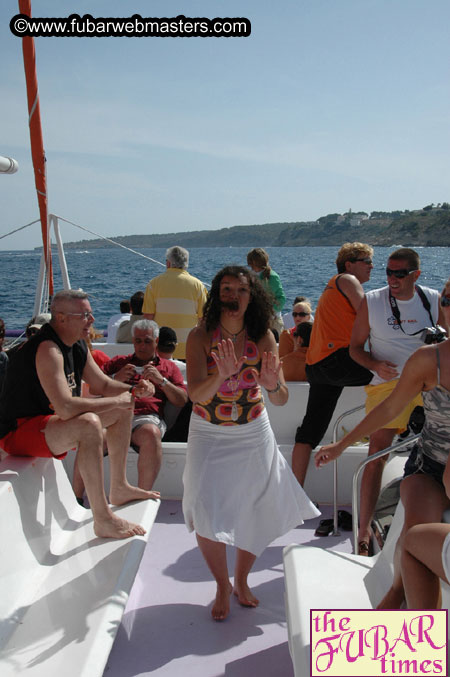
(239, 399)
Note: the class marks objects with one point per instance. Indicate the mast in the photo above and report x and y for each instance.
(37, 142)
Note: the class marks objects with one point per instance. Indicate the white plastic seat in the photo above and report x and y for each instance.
(64, 590)
(325, 579)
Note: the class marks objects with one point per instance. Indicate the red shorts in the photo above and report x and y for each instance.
(29, 438)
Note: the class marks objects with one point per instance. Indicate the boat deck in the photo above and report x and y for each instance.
(167, 628)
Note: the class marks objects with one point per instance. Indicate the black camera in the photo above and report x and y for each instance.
(433, 335)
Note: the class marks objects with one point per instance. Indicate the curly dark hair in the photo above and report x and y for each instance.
(259, 314)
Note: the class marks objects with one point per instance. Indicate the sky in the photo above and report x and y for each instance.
(329, 105)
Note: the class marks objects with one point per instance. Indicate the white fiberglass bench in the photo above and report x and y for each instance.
(326, 579)
(63, 590)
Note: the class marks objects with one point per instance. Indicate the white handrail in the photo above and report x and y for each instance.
(42, 300)
(340, 418)
(38, 304)
(62, 258)
(369, 459)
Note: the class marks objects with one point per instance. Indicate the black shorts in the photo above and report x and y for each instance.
(420, 464)
(338, 369)
(327, 379)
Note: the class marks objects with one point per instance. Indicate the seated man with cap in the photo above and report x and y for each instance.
(32, 328)
(177, 422)
(167, 343)
(148, 426)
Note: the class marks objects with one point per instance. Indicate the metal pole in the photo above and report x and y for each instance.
(40, 287)
(61, 255)
(362, 465)
(336, 531)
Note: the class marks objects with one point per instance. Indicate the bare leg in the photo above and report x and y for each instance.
(301, 454)
(371, 482)
(215, 556)
(422, 565)
(86, 431)
(77, 481)
(244, 563)
(148, 438)
(428, 509)
(118, 431)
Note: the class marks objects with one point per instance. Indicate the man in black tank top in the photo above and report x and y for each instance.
(43, 414)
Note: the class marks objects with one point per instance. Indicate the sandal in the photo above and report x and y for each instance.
(325, 527)
(365, 549)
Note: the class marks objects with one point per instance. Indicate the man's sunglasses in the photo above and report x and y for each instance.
(301, 314)
(445, 301)
(400, 273)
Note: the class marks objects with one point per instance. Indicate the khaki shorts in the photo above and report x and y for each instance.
(378, 393)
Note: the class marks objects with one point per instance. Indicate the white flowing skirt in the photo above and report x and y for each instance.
(238, 488)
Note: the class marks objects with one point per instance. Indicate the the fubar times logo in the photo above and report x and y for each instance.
(347, 642)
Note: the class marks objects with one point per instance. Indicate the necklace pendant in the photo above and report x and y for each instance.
(234, 412)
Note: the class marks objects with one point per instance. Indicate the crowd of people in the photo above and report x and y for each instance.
(204, 360)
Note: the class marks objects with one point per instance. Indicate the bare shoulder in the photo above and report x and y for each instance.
(48, 350)
(348, 281)
(198, 338)
(423, 364)
(425, 357)
(198, 333)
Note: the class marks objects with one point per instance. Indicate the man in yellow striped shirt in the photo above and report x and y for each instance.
(175, 298)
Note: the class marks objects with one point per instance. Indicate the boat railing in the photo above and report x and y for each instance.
(340, 418)
(384, 452)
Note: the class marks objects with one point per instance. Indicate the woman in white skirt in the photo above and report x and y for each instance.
(238, 489)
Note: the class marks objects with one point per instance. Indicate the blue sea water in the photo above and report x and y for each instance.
(111, 274)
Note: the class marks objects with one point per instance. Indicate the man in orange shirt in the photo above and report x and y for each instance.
(329, 367)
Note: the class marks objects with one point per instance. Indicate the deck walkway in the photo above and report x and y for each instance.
(166, 628)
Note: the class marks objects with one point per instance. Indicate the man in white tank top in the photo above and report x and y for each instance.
(393, 320)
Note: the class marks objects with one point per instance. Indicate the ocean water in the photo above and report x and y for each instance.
(112, 274)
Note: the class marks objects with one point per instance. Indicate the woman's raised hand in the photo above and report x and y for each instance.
(226, 360)
(269, 374)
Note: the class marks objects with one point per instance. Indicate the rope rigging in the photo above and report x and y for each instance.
(92, 232)
(118, 244)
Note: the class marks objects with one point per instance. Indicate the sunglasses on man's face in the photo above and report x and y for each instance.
(445, 301)
(400, 273)
(301, 314)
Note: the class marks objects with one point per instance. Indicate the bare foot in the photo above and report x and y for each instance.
(115, 527)
(221, 607)
(393, 599)
(127, 493)
(245, 596)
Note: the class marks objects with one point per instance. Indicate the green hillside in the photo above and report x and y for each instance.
(429, 226)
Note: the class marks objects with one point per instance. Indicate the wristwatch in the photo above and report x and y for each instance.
(276, 389)
(163, 382)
